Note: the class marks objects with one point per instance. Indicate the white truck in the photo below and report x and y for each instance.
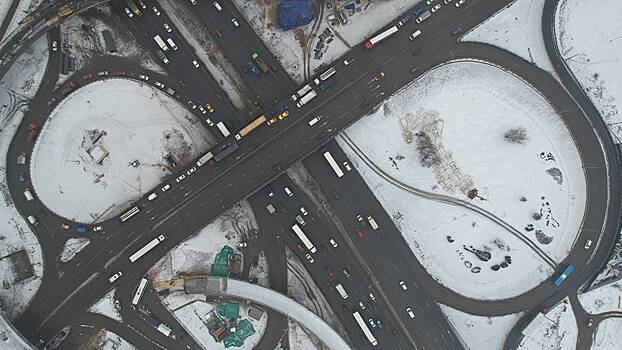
(306, 98)
(341, 291)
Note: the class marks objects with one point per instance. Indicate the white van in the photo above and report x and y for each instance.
(28, 195)
(152, 196)
(314, 121)
(217, 6)
(33, 221)
(414, 35)
(172, 44)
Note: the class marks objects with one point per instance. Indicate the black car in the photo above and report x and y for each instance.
(182, 84)
(456, 31)
(21, 177)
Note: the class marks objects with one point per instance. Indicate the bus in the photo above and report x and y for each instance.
(378, 38)
(342, 291)
(250, 127)
(305, 240)
(139, 291)
(363, 326)
(160, 43)
(329, 73)
(333, 164)
(303, 90)
(223, 129)
(128, 214)
(142, 251)
(567, 271)
(133, 7)
(205, 158)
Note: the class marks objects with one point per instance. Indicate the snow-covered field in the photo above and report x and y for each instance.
(16, 88)
(195, 255)
(603, 299)
(589, 37)
(72, 247)
(608, 335)
(518, 29)
(453, 140)
(557, 331)
(105, 306)
(193, 318)
(129, 120)
(286, 46)
(23, 9)
(478, 332)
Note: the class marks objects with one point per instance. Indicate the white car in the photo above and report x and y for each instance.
(403, 285)
(310, 258)
(410, 312)
(54, 45)
(588, 244)
(115, 276)
(152, 196)
(98, 228)
(447, 1)
(159, 84)
(429, 2)
(303, 211)
(372, 323)
(347, 166)
(361, 305)
(459, 3)
(195, 63)
(167, 27)
(288, 191)
(235, 23)
(191, 170)
(209, 122)
(166, 187)
(435, 8)
(217, 6)
(156, 11)
(192, 105)
(203, 111)
(143, 77)
(180, 178)
(333, 243)
(65, 227)
(129, 13)
(372, 296)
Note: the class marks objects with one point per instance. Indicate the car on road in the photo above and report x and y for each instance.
(359, 218)
(209, 122)
(403, 285)
(304, 211)
(347, 61)
(359, 232)
(429, 2)
(588, 244)
(333, 242)
(54, 45)
(159, 84)
(435, 8)
(115, 276)
(65, 227)
(329, 285)
(166, 187)
(217, 6)
(152, 196)
(288, 191)
(121, 73)
(191, 170)
(271, 121)
(380, 324)
(167, 27)
(456, 31)
(379, 76)
(283, 115)
(195, 63)
(346, 272)
(80, 229)
(98, 228)
(310, 258)
(128, 12)
(414, 69)
(329, 271)
(180, 178)
(156, 11)
(87, 76)
(143, 77)
(51, 101)
(410, 312)
(372, 323)
(209, 108)
(459, 3)
(447, 1)
(192, 105)
(203, 111)
(347, 166)
(589, 322)
(372, 296)
(219, 33)
(21, 176)
(404, 20)
(117, 304)
(361, 304)
(103, 73)
(235, 23)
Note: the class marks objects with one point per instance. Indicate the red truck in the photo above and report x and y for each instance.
(32, 131)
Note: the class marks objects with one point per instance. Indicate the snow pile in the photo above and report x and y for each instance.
(193, 317)
(608, 335)
(17, 87)
(603, 299)
(105, 306)
(111, 341)
(518, 29)
(300, 338)
(73, 180)
(557, 331)
(261, 271)
(481, 333)
(72, 247)
(195, 255)
(589, 38)
(473, 126)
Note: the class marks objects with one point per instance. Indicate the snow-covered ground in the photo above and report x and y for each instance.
(603, 299)
(72, 247)
(518, 29)
(557, 331)
(300, 338)
(195, 255)
(453, 140)
(287, 47)
(193, 317)
(105, 306)
(478, 332)
(128, 119)
(589, 37)
(111, 341)
(16, 88)
(608, 335)
(81, 37)
(23, 9)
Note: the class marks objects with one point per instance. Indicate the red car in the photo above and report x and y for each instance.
(329, 286)
(329, 271)
(300, 247)
(31, 132)
(359, 232)
(121, 74)
(87, 76)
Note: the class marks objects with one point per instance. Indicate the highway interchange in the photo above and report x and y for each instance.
(269, 151)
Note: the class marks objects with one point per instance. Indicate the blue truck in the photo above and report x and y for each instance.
(567, 271)
(419, 9)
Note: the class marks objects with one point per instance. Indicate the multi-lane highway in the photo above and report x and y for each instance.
(270, 150)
